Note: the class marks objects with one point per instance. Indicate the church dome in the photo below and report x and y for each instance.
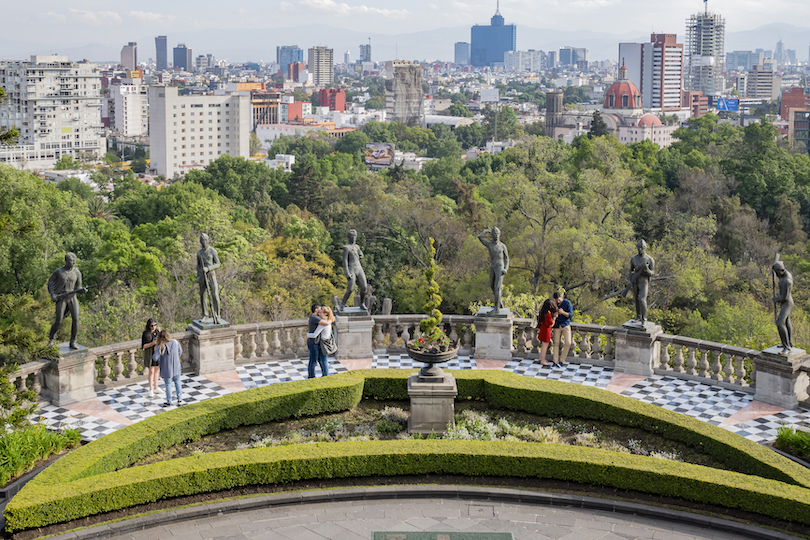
(623, 94)
(649, 120)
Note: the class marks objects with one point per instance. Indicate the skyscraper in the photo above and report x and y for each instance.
(321, 65)
(129, 55)
(403, 93)
(182, 57)
(705, 33)
(287, 54)
(489, 43)
(161, 53)
(462, 54)
(656, 68)
(365, 52)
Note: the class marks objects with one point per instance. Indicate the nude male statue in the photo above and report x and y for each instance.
(63, 285)
(353, 271)
(207, 262)
(784, 303)
(498, 262)
(642, 268)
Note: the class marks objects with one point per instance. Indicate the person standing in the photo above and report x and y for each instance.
(312, 342)
(545, 322)
(322, 333)
(167, 352)
(148, 343)
(562, 328)
(63, 285)
(207, 262)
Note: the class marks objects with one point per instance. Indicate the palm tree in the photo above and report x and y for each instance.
(97, 208)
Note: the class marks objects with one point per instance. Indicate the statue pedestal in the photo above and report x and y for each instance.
(637, 348)
(71, 378)
(354, 328)
(212, 346)
(780, 377)
(432, 404)
(493, 334)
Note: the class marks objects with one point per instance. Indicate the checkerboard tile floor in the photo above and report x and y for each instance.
(706, 402)
(255, 375)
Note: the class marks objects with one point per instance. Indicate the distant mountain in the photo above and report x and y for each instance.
(260, 44)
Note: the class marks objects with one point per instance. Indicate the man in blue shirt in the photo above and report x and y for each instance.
(562, 328)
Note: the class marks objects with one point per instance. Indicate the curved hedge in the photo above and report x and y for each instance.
(93, 479)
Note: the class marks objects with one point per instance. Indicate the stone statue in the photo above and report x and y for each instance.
(783, 304)
(642, 268)
(207, 262)
(353, 271)
(498, 262)
(63, 285)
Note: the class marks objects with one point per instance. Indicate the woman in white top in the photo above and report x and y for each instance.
(324, 331)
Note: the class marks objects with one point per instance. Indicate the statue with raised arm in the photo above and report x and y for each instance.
(63, 285)
(353, 271)
(783, 304)
(498, 262)
(642, 268)
(207, 263)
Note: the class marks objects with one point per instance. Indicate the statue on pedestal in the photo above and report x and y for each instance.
(498, 262)
(783, 304)
(353, 271)
(63, 285)
(642, 269)
(207, 262)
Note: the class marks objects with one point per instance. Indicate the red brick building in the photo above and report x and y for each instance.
(334, 98)
(794, 98)
(698, 103)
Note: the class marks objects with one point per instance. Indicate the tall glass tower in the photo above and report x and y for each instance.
(161, 53)
(489, 43)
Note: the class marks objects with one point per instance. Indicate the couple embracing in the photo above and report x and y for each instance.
(319, 339)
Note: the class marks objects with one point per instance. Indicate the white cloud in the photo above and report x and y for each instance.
(98, 17)
(152, 18)
(346, 9)
(54, 15)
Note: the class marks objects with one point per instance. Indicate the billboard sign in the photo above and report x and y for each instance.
(728, 104)
(379, 154)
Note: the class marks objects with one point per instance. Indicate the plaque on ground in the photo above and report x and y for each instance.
(424, 535)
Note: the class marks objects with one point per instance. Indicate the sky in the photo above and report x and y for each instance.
(79, 22)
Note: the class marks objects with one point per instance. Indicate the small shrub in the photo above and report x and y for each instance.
(793, 442)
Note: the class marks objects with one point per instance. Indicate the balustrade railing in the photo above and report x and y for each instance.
(30, 376)
(260, 342)
(391, 332)
(733, 366)
(590, 342)
(123, 362)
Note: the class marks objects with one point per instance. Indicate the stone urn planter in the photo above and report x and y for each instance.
(432, 357)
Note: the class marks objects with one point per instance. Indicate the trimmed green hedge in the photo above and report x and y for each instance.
(93, 479)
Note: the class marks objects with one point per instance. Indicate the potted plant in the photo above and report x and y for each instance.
(431, 344)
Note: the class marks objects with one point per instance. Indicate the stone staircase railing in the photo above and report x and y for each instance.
(771, 378)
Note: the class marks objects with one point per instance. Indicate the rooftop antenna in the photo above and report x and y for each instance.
(705, 7)
(498, 7)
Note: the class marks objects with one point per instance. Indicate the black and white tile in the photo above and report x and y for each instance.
(255, 375)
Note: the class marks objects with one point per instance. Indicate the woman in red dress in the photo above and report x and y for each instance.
(545, 320)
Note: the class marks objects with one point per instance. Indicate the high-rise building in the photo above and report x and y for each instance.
(656, 68)
(56, 106)
(763, 83)
(347, 58)
(129, 55)
(321, 65)
(286, 55)
(574, 56)
(182, 58)
(365, 52)
(551, 59)
(462, 54)
(779, 53)
(703, 70)
(161, 53)
(743, 60)
(489, 43)
(131, 109)
(524, 61)
(189, 132)
(403, 93)
(334, 98)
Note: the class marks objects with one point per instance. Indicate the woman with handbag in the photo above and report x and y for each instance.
(545, 322)
(323, 337)
(167, 353)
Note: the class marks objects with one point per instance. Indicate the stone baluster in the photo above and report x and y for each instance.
(132, 365)
(36, 385)
(466, 341)
(584, 346)
(238, 348)
(251, 346)
(453, 334)
(691, 363)
(741, 372)
(289, 343)
(608, 356)
(105, 370)
(275, 344)
(406, 333)
(717, 368)
(119, 366)
(596, 347)
(263, 344)
(703, 364)
(678, 367)
(729, 368)
(301, 342)
(21, 383)
(379, 337)
(521, 342)
(665, 356)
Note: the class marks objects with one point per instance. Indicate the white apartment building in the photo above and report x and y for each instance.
(656, 68)
(321, 65)
(531, 61)
(131, 109)
(188, 132)
(56, 106)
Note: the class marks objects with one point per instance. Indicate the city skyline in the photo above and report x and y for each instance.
(91, 22)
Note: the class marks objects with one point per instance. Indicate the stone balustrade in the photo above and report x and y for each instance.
(79, 374)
